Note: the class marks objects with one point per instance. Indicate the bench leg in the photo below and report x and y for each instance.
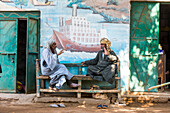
(119, 98)
(37, 80)
(79, 89)
(38, 88)
(42, 83)
(117, 84)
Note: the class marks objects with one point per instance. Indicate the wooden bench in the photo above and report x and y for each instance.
(79, 78)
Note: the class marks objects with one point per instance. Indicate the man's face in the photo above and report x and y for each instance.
(53, 46)
(102, 45)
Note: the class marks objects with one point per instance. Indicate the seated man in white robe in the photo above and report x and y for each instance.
(50, 66)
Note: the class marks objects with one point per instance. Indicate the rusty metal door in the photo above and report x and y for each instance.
(8, 54)
(144, 40)
(32, 53)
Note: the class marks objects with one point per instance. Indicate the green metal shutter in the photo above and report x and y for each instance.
(144, 39)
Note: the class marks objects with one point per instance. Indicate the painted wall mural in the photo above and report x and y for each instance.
(78, 25)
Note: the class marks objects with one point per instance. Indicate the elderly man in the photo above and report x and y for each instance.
(103, 66)
(50, 65)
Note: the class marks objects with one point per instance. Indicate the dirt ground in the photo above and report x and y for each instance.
(76, 108)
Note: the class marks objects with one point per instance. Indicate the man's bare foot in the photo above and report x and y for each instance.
(50, 88)
(55, 89)
(73, 85)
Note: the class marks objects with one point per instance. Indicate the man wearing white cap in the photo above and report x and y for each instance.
(103, 66)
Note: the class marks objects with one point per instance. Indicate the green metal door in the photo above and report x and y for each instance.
(8, 54)
(144, 39)
(32, 53)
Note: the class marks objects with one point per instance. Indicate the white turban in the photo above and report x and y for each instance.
(49, 43)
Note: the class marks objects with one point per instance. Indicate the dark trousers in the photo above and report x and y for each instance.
(69, 82)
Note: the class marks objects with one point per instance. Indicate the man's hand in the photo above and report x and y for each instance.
(62, 51)
(82, 63)
(105, 51)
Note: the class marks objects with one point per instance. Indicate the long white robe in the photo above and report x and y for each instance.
(50, 66)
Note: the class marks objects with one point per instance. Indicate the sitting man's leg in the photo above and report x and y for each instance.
(71, 84)
(94, 72)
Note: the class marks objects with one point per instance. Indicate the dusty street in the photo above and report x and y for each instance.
(76, 108)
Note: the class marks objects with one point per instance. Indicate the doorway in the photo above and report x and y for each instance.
(21, 56)
(164, 37)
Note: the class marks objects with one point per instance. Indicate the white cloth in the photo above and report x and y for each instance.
(50, 66)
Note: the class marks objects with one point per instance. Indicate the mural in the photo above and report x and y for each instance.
(78, 25)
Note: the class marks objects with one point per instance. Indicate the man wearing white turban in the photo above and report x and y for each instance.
(103, 67)
(50, 66)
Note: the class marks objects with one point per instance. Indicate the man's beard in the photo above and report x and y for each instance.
(102, 49)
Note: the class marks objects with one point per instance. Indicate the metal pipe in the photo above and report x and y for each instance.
(153, 87)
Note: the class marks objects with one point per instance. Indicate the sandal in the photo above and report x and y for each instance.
(99, 106)
(54, 105)
(104, 106)
(61, 105)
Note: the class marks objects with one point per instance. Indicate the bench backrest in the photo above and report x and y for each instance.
(76, 65)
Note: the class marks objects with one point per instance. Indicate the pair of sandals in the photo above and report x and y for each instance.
(102, 106)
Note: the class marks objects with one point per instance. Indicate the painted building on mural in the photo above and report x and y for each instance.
(78, 29)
